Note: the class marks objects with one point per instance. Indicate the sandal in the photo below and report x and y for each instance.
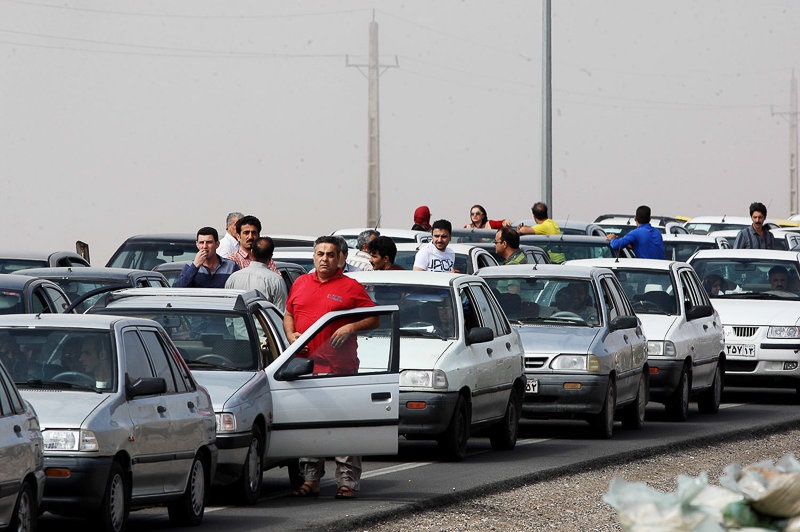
(345, 492)
(307, 489)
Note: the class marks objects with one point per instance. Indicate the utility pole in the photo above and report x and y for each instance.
(373, 125)
(547, 114)
(793, 209)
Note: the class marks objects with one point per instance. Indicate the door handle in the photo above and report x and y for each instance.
(705, 327)
(381, 396)
(625, 336)
(190, 404)
(489, 351)
(508, 345)
(161, 409)
(17, 430)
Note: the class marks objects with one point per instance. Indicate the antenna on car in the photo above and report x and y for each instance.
(377, 223)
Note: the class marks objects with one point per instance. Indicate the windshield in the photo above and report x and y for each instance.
(425, 311)
(13, 265)
(682, 250)
(77, 287)
(650, 291)
(405, 259)
(545, 301)
(146, 256)
(63, 358)
(749, 278)
(563, 250)
(703, 228)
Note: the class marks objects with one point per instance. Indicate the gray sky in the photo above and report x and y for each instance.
(125, 117)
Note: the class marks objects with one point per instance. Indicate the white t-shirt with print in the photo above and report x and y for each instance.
(430, 258)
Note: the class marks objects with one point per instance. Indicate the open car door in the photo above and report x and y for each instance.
(327, 415)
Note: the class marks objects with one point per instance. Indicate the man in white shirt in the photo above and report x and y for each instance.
(435, 256)
(361, 258)
(230, 242)
(258, 276)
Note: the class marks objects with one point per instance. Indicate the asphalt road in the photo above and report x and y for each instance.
(416, 478)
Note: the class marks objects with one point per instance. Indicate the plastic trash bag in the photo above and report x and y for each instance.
(772, 489)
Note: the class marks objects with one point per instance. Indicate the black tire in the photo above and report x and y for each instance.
(189, 509)
(678, 404)
(633, 415)
(453, 443)
(252, 477)
(503, 436)
(708, 401)
(603, 422)
(25, 516)
(116, 504)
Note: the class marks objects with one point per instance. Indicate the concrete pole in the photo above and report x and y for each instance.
(373, 133)
(547, 115)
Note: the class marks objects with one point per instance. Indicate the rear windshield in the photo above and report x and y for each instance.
(146, 256)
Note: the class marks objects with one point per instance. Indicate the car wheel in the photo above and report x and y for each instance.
(503, 435)
(603, 422)
(678, 404)
(708, 401)
(25, 512)
(453, 443)
(633, 416)
(252, 471)
(115, 506)
(189, 509)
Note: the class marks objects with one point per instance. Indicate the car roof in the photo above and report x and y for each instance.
(541, 270)
(189, 298)
(442, 279)
(163, 237)
(631, 263)
(563, 237)
(72, 321)
(691, 237)
(459, 247)
(775, 254)
(16, 281)
(91, 272)
(384, 231)
(631, 219)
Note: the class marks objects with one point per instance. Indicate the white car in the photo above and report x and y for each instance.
(469, 258)
(681, 246)
(759, 306)
(685, 342)
(702, 225)
(785, 239)
(397, 235)
(460, 359)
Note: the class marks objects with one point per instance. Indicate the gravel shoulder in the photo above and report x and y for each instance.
(574, 501)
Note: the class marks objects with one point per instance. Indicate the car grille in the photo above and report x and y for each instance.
(535, 362)
(745, 332)
(740, 366)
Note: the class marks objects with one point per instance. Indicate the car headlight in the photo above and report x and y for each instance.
(70, 440)
(783, 332)
(420, 378)
(663, 348)
(576, 363)
(226, 422)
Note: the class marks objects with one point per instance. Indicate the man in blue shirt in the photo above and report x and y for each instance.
(208, 269)
(646, 240)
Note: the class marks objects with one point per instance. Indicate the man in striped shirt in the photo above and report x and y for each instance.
(755, 236)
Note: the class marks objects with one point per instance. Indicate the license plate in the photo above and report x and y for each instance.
(742, 350)
(532, 386)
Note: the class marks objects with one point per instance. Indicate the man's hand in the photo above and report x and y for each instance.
(340, 336)
(292, 337)
(610, 237)
(200, 258)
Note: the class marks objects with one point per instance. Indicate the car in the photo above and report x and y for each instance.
(762, 337)
(283, 241)
(468, 235)
(302, 255)
(78, 282)
(685, 340)
(21, 455)
(232, 340)
(145, 252)
(11, 262)
(570, 227)
(702, 225)
(469, 258)
(568, 247)
(534, 254)
(22, 294)
(680, 247)
(138, 430)
(460, 359)
(620, 224)
(585, 350)
(397, 235)
(290, 271)
(785, 239)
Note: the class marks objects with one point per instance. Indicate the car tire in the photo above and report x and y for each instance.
(503, 436)
(251, 479)
(453, 443)
(26, 513)
(633, 415)
(708, 401)
(115, 507)
(189, 509)
(603, 422)
(678, 404)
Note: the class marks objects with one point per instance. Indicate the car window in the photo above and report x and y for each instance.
(39, 301)
(492, 316)
(424, 310)
(11, 394)
(611, 298)
(6, 409)
(57, 298)
(269, 349)
(11, 302)
(159, 358)
(650, 290)
(750, 277)
(471, 313)
(137, 365)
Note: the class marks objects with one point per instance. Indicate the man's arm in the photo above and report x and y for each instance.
(187, 276)
(289, 329)
(741, 242)
(343, 333)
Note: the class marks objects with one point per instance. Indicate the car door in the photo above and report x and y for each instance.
(620, 343)
(16, 447)
(328, 415)
(707, 330)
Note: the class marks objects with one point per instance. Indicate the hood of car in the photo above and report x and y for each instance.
(537, 338)
(756, 312)
(422, 353)
(657, 326)
(230, 388)
(50, 406)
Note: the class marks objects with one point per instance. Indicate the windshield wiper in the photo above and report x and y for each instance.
(39, 383)
(207, 365)
(422, 333)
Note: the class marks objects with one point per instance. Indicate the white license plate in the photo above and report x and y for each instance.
(742, 350)
(532, 386)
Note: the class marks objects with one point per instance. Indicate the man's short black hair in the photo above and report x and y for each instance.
(248, 220)
(643, 214)
(263, 248)
(758, 206)
(443, 224)
(777, 269)
(539, 210)
(510, 236)
(208, 231)
(383, 246)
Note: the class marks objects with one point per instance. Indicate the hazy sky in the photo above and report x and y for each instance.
(120, 117)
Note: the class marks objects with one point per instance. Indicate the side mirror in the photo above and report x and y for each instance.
(296, 368)
(623, 322)
(699, 311)
(478, 335)
(145, 386)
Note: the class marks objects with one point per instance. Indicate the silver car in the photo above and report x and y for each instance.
(124, 423)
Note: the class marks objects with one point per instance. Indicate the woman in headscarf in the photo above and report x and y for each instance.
(422, 219)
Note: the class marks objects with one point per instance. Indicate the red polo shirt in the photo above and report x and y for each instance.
(309, 300)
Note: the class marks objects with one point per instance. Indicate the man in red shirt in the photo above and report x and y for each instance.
(334, 350)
